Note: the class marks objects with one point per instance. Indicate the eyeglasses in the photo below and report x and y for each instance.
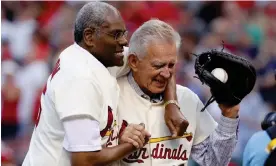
(118, 36)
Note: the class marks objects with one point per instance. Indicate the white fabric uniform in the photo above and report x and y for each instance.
(80, 86)
(163, 149)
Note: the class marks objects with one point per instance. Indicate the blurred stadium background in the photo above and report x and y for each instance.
(34, 33)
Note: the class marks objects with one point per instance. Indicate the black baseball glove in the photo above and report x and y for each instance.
(241, 76)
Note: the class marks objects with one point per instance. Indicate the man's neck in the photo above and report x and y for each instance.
(84, 46)
(144, 89)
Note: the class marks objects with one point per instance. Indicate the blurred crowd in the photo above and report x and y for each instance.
(34, 33)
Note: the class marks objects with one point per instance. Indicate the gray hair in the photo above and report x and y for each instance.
(92, 14)
(153, 30)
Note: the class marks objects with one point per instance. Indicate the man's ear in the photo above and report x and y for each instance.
(133, 62)
(89, 35)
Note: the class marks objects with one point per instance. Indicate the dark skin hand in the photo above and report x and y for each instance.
(174, 118)
(132, 138)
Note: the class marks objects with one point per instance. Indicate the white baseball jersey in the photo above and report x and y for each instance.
(78, 86)
(162, 148)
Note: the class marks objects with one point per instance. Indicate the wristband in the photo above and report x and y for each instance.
(171, 102)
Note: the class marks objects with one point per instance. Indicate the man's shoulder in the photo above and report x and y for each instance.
(184, 93)
(75, 62)
(69, 50)
(122, 80)
(183, 89)
(259, 136)
(254, 151)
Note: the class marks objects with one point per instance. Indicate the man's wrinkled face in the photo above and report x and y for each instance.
(155, 69)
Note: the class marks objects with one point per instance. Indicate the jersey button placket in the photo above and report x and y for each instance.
(149, 127)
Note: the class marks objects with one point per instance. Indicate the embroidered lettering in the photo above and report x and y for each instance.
(159, 152)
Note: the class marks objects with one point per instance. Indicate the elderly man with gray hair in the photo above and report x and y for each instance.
(153, 51)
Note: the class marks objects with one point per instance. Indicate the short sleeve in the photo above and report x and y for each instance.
(78, 139)
(80, 97)
(205, 124)
(122, 70)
